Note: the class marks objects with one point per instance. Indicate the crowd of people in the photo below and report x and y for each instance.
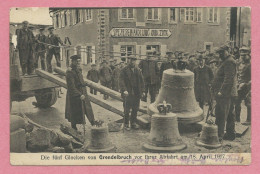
(222, 76)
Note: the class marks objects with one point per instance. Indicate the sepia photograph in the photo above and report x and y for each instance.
(138, 85)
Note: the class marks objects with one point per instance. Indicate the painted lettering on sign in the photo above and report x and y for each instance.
(138, 32)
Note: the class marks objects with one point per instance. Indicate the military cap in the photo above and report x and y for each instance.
(244, 48)
(41, 29)
(201, 51)
(93, 65)
(213, 61)
(75, 57)
(25, 22)
(132, 57)
(186, 54)
(223, 48)
(50, 28)
(31, 27)
(169, 52)
(191, 56)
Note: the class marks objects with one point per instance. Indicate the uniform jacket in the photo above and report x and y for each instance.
(150, 71)
(54, 39)
(115, 77)
(105, 74)
(25, 39)
(126, 81)
(40, 46)
(93, 75)
(226, 78)
(73, 111)
(202, 79)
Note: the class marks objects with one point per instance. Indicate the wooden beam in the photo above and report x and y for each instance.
(104, 104)
(114, 94)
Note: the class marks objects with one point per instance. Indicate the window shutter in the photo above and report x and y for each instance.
(163, 50)
(116, 52)
(93, 51)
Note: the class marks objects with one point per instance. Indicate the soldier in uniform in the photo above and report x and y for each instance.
(244, 78)
(203, 77)
(105, 76)
(77, 102)
(40, 49)
(150, 73)
(132, 88)
(168, 64)
(93, 75)
(55, 40)
(115, 77)
(225, 89)
(25, 41)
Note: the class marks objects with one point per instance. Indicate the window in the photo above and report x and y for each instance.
(191, 15)
(126, 51)
(152, 48)
(153, 14)
(89, 54)
(78, 16)
(88, 14)
(213, 15)
(62, 16)
(173, 14)
(68, 17)
(65, 19)
(198, 17)
(127, 13)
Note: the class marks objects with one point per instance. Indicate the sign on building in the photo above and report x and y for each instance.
(139, 32)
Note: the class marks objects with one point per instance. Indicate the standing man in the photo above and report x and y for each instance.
(150, 73)
(54, 40)
(93, 75)
(131, 87)
(244, 78)
(115, 77)
(203, 77)
(40, 49)
(225, 89)
(192, 63)
(77, 102)
(105, 76)
(168, 64)
(25, 42)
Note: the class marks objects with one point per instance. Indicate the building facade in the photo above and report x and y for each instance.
(98, 34)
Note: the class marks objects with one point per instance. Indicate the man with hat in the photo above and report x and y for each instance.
(244, 82)
(77, 102)
(203, 77)
(213, 65)
(225, 91)
(25, 43)
(132, 88)
(105, 76)
(112, 64)
(151, 74)
(40, 49)
(93, 75)
(53, 49)
(167, 64)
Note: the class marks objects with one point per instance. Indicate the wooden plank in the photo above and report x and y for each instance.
(114, 94)
(92, 98)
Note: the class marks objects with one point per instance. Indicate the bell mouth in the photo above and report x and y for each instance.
(209, 146)
(156, 149)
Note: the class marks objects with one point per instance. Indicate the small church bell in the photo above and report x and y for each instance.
(164, 134)
(100, 141)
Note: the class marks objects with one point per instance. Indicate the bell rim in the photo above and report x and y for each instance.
(91, 149)
(199, 143)
(152, 148)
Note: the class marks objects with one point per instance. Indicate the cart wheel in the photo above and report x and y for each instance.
(46, 97)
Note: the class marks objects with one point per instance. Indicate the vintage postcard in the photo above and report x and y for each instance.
(130, 85)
